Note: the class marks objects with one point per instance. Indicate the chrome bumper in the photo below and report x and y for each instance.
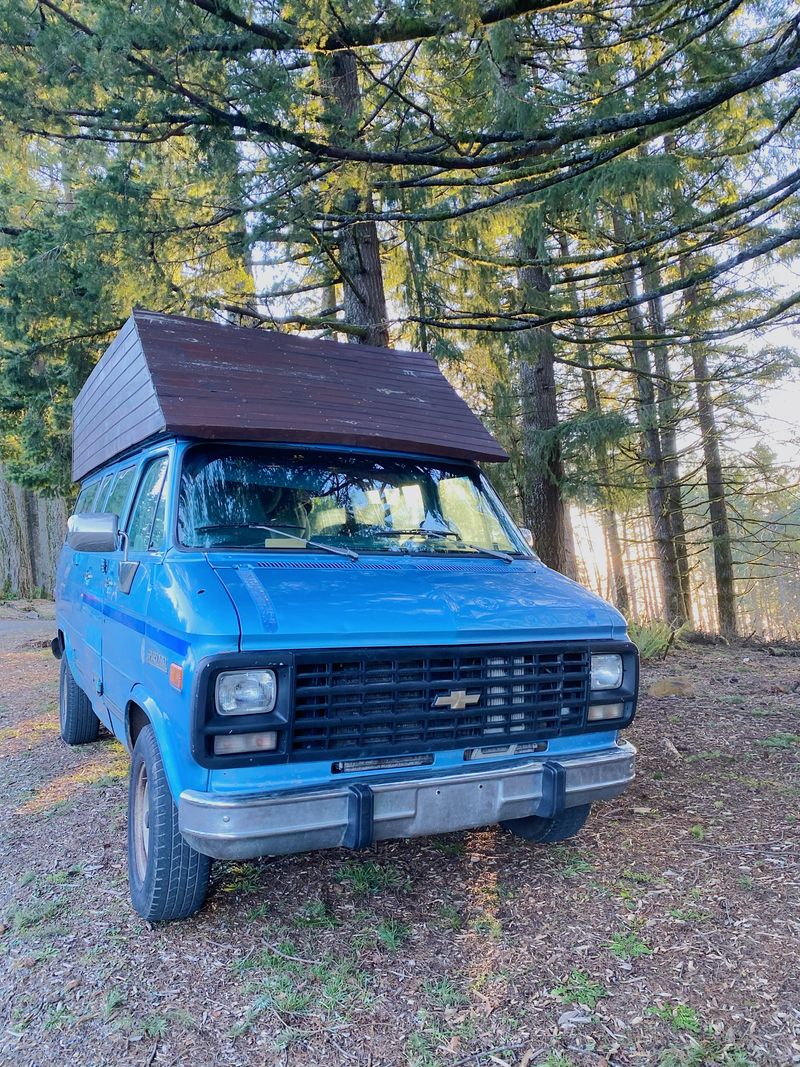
(355, 813)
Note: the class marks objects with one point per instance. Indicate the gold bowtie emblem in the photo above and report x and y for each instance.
(456, 699)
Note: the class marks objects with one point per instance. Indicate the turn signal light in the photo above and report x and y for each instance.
(233, 744)
(602, 712)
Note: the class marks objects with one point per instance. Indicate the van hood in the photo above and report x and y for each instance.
(307, 603)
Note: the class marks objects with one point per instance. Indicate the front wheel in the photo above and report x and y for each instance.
(79, 724)
(557, 828)
(168, 879)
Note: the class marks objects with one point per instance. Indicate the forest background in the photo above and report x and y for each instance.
(587, 212)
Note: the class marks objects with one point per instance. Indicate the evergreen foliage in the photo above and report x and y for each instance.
(580, 212)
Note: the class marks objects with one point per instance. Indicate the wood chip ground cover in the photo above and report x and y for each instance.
(666, 934)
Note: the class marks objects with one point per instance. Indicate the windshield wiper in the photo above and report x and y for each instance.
(421, 532)
(281, 533)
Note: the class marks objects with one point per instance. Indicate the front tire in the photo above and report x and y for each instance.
(168, 879)
(78, 723)
(545, 831)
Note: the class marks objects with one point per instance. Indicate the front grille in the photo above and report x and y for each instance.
(384, 700)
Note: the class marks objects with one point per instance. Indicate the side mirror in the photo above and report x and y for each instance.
(94, 531)
(527, 536)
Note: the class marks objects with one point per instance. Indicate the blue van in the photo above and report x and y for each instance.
(324, 641)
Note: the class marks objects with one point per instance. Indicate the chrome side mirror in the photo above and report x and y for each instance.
(93, 531)
(527, 536)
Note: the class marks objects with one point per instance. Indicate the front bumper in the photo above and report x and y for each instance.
(354, 814)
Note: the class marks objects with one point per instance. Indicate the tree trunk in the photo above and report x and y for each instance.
(667, 417)
(359, 248)
(31, 534)
(715, 481)
(608, 519)
(651, 444)
(542, 502)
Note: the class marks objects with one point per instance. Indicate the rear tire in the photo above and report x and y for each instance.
(558, 828)
(78, 723)
(168, 879)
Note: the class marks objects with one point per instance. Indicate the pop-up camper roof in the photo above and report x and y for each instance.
(165, 374)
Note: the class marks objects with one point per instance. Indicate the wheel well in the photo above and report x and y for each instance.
(137, 720)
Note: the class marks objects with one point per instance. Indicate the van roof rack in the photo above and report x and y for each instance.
(176, 375)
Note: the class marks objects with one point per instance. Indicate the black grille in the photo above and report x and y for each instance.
(386, 700)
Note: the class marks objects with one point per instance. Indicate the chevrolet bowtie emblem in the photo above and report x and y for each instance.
(456, 699)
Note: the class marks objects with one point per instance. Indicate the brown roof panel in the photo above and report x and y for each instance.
(166, 373)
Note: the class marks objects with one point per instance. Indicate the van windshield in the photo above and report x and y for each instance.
(256, 498)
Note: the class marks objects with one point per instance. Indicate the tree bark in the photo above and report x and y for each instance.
(715, 482)
(543, 506)
(31, 534)
(667, 419)
(364, 297)
(651, 443)
(608, 518)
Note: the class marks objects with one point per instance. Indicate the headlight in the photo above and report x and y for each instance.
(246, 692)
(606, 671)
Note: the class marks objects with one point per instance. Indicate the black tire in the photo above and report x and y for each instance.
(559, 828)
(168, 879)
(79, 724)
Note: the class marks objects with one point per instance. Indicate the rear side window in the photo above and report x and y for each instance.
(146, 525)
(120, 491)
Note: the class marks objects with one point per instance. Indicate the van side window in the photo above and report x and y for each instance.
(144, 519)
(120, 490)
(86, 498)
(98, 504)
(83, 496)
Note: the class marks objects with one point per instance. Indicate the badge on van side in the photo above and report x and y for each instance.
(156, 659)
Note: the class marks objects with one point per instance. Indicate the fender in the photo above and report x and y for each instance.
(173, 741)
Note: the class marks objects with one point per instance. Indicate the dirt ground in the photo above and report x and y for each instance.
(666, 934)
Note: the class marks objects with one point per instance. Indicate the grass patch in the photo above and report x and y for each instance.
(688, 915)
(316, 915)
(679, 1017)
(431, 1036)
(780, 740)
(579, 988)
(63, 877)
(571, 860)
(115, 998)
(640, 877)
(153, 1026)
(488, 924)
(241, 878)
(392, 934)
(449, 846)
(444, 993)
(369, 877)
(450, 917)
(58, 1017)
(704, 1054)
(25, 918)
(628, 946)
(290, 988)
(654, 638)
